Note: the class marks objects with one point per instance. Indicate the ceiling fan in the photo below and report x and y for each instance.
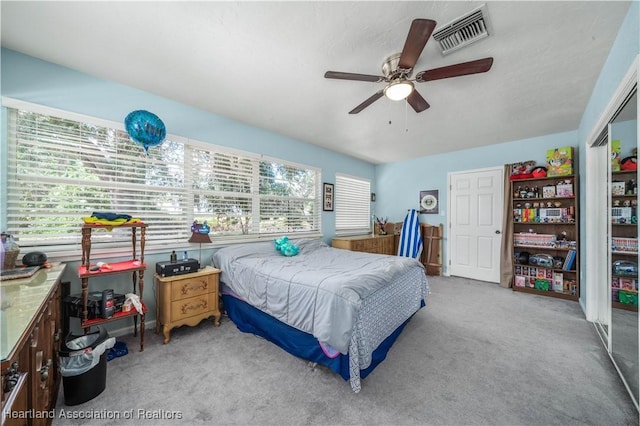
(397, 70)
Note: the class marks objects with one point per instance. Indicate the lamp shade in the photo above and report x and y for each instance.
(199, 238)
(398, 90)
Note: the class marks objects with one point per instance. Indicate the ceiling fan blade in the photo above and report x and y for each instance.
(457, 70)
(368, 102)
(352, 76)
(417, 102)
(417, 38)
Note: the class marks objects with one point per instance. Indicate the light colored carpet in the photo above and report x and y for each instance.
(476, 354)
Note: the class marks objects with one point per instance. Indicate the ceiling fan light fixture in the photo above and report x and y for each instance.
(398, 90)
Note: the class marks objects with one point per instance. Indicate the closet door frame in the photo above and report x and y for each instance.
(597, 219)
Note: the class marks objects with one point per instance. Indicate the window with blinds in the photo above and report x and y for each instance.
(352, 204)
(61, 169)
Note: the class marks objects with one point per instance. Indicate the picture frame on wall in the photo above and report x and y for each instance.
(327, 197)
(429, 201)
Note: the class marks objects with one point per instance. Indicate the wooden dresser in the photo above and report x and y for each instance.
(187, 299)
(30, 335)
(381, 244)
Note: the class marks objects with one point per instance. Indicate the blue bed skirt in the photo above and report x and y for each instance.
(298, 343)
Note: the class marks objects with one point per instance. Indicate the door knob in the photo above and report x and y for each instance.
(498, 232)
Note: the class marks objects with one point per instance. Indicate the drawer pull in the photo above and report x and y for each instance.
(191, 287)
(34, 337)
(11, 378)
(44, 371)
(188, 307)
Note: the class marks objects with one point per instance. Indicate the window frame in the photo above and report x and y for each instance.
(72, 251)
(358, 227)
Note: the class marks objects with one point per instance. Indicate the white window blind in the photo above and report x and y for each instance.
(352, 204)
(61, 169)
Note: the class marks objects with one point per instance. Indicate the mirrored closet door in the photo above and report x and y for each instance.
(623, 243)
(611, 233)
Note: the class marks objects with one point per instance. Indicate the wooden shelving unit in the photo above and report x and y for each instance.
(136, 267)
(431, 256)
(545, 222)
(624, 226)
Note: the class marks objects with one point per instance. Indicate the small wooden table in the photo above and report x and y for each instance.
(187, 299)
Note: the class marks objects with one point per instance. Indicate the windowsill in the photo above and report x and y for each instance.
(75, 255)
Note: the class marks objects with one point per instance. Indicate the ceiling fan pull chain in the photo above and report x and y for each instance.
(406, 115)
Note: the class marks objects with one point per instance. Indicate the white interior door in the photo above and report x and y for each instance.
(476, 199)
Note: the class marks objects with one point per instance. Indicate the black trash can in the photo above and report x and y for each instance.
(83, 366)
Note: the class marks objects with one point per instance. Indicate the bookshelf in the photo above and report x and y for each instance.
(545, 236)
(624, 241)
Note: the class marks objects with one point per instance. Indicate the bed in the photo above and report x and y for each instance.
(334, 307)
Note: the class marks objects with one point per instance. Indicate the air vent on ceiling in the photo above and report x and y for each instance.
(463, 31)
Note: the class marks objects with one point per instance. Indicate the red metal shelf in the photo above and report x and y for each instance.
(115, 268)
(116, 316)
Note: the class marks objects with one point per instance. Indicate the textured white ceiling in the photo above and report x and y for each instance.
(262, 63)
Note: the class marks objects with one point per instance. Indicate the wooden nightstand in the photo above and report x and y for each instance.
(187, 299)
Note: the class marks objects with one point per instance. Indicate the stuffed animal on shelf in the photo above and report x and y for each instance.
(539, 172)
(629, 163)
(522, 170)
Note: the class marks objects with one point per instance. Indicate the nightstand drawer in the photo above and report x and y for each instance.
(193, 306)
(190, 287)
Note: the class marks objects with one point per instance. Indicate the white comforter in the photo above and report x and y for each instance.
(319, 291)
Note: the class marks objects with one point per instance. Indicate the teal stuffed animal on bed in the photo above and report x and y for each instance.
(280, 241)
(285, 247)
(290, 249)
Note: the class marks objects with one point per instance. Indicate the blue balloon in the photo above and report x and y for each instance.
(145, 128)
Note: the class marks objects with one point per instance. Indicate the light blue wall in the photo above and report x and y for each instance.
(399, 184)
(33, 80)
(623, 52)
(626, 133)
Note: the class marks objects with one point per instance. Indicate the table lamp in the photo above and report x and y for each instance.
(200, 238)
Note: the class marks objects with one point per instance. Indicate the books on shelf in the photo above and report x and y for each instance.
(624, 244)
(533, 239)
(569, 261)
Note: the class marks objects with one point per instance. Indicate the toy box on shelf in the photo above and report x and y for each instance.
(560, 161)
(616, 151)
(628, 297)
